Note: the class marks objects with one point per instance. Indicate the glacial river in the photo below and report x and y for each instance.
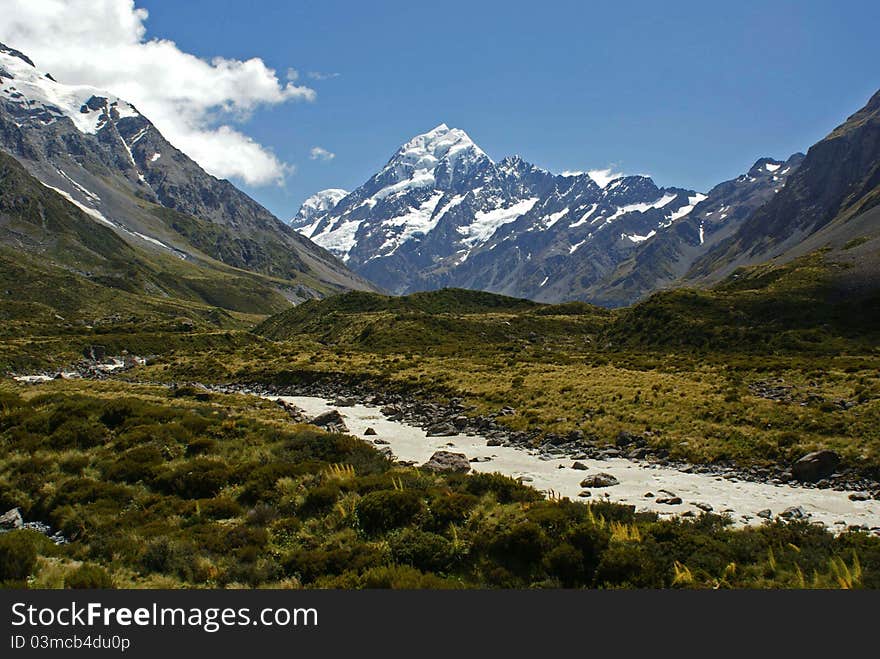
(742, 500)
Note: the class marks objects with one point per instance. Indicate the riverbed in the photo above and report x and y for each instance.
(641, 484)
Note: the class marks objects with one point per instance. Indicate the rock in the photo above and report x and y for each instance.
(494, 442)
(482, 458)
(370, 431)
(705, 507)
(446, 461)
(599, 480)
(11, 520)
(585, 494)
(649, 495)
(441, 430)
(331, 421)
(859, 496)
(343, 401)
(580, 466)
(669, 501)
(815, 466)
(794, 512)
(625, 438)
(380, 442)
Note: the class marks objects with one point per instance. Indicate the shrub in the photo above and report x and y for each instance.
(18, 553)
(137, 464)
(318, 500)
(259, 484)
(427, 551)
(518, 548)
(200, 446)
(388, 509)
(451, 508)
(78, 433)
(627, 565)
(88, 576)
(116, 413)
(566, 563)
(505, 489)
(196, 479)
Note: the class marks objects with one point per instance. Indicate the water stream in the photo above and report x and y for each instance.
(742, 500)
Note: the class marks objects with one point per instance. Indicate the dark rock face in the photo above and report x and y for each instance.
(443, 461)
(815, 466)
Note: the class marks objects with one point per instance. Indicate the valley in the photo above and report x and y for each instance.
(569, 381)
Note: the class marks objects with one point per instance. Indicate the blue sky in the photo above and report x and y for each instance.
(691, 93)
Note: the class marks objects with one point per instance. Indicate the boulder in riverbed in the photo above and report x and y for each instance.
(331, 421)
(441, 430)
(599, 480)
(815, 466)
(446, 461)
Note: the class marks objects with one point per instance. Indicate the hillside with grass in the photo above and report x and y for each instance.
(159, 488)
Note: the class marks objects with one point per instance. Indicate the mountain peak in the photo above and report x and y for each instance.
(16, 53)
(438, 142)
(318, 204)
(39, 98)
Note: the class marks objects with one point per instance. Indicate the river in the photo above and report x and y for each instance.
(741, 500)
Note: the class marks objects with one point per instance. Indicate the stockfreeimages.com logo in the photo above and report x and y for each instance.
(95, 614)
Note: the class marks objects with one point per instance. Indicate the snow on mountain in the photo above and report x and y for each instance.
(43, 100)
(110, 160)
(318, 204)
(442, 213)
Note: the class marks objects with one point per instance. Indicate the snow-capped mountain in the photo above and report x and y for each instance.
(663, 259)
(442, 213)
(316, 205)
(104, 156)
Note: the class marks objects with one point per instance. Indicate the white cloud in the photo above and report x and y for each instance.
(193, 102)
(317, 75)
(603, 177)
(320, 153)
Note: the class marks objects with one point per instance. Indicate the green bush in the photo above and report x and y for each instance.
(388, 509)
(518, 548)
(451, 508)
(427, 551)
(319, 500)
(138, 464)
(196, 479)
(78, 433)
(18, 553)
(504, 488)
(88, 576)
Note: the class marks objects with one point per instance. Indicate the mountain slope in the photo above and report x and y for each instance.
(660, 261)
(107, 158)
(838, 182)
(57, 255)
